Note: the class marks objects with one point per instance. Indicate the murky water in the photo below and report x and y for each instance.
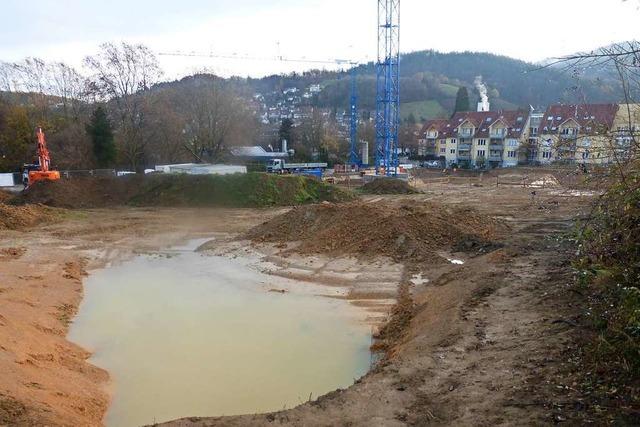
(193, 335)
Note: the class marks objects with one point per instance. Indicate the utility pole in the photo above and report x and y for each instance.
(388, 87)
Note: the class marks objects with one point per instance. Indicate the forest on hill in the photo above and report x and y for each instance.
(199, 117)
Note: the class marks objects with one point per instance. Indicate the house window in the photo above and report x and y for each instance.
(585, 155)
(481, 153)
(569, 131)
(511, 154)
(513, 143)
(453, 151)
(546, 154)
(443, 150)
(482, 142)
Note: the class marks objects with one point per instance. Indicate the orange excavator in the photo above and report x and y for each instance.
(42, 171)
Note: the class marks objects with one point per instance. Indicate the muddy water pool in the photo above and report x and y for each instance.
(186, 334)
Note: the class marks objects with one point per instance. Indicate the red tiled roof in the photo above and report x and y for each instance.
(438, 124)
(482, 120)
(595, 116)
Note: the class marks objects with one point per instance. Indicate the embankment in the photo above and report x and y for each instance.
(250, 190)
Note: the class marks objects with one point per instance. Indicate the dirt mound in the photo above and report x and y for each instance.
(401, 231)
(19, 217)
(250, 190)
(83, 192)
(388, 186)
(5, 196)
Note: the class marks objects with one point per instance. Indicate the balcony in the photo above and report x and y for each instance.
(498, 134)
(494, 146)
(464, 146)
(464, 156)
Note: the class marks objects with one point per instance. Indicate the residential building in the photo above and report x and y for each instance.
(576, 134)
(431, 134)
(482, 138)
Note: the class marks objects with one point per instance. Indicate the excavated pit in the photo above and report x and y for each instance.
(184, 333)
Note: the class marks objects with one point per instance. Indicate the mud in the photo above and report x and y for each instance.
(473, 344)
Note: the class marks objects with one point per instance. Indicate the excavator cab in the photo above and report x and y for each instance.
(42, 173)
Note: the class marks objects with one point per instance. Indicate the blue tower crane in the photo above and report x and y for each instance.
(354, 158)
(388, 87)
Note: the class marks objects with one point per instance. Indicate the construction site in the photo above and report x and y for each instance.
(250, 285)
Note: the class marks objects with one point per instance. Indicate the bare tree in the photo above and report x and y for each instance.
(120, 75)
(215, 119)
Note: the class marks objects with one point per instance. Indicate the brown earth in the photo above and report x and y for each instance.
(5, 196)
(400, 230)
(82, 193)
(484, 344)
(45, 380)
(19, 217)
(477, 344)
(388, 186)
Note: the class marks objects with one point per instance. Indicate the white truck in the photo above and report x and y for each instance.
(282, 166)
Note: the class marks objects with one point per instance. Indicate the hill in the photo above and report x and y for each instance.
(430, 80)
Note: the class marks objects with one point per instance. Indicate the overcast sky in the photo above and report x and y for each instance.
(67, 30)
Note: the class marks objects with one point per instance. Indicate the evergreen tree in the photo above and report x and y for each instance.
(286, 132)
(462, 100)
(101, 134)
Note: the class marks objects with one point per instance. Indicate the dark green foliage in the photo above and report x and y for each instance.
(101, 134)
(608, 266)
(286, 132)
(462, 100)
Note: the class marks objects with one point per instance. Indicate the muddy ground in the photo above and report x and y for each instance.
(483, 347)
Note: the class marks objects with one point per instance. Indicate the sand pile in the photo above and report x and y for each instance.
(400, 231)
(388, 186)
(19, 217)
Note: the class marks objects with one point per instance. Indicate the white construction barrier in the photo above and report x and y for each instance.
(6, 180)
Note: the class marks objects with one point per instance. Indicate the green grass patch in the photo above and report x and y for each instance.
(422, 109)
(449, 90)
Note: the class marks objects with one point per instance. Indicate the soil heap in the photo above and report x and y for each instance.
(5, 196)
(388, 186)
(18, 217)
(403, 232)
(250, 190)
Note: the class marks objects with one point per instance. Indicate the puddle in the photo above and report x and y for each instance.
(196, 335)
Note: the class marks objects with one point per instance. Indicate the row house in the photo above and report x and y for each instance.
(586, 133)
(478, 139)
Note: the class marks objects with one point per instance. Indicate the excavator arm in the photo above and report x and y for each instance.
(43, 173)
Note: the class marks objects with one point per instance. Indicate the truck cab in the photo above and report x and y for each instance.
(275, 165)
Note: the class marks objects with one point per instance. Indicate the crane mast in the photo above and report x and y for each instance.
(388, 87)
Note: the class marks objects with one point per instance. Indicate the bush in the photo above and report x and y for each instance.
(609, 269)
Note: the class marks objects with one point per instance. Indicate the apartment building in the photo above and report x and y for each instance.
(478, 139)
(578, 134)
